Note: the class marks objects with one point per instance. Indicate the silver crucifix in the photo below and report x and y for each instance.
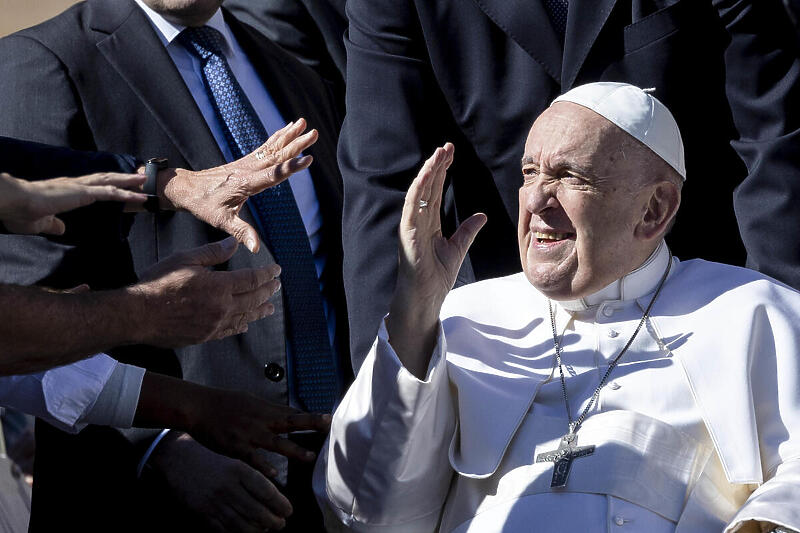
(562, 457)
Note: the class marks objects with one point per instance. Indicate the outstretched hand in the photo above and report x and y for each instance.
(30, 207)
(186, 303)
(216, 195)
(428, 262)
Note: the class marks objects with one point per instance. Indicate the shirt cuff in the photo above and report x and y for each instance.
(117, 403)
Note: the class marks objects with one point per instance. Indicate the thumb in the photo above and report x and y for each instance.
(213, 253)
(50, 225)
(244, 233)
(466, 232)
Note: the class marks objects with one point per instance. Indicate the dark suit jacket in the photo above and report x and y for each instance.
(312, 30)
(98, 77)
(95, 236)
(478, 72)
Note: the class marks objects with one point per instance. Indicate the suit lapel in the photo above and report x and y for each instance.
(582, 32)
(131, 46)
(528, 24)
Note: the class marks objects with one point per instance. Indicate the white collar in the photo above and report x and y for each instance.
(634, 285)
(169, 31)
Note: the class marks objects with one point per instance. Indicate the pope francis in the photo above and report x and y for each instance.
(607, 387)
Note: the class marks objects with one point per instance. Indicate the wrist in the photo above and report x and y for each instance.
(14, 199)
(134, 313)
(172, 185)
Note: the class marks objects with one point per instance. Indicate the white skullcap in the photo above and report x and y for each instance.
(637, 113)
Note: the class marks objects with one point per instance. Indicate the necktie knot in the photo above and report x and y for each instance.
(202, 41)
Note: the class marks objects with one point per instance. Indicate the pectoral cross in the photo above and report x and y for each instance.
(562, 457)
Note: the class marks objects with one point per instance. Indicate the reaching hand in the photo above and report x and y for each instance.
(238, 425)
(428, 261)
(226, 494)
(217, 195)
(185, 303)
(30, 207)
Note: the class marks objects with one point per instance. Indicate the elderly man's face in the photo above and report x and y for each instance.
(580, 203)
(185, 12)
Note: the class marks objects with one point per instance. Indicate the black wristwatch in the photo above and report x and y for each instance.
(151, 169)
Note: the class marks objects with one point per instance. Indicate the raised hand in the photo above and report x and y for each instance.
(29, 207)
(428, 262)
(182, 302)
(216, 195)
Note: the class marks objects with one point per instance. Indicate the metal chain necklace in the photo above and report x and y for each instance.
(568, 449)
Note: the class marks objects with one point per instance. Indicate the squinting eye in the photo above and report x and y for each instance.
(530, 172)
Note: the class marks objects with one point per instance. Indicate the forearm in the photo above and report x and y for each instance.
(169, 402)
(40, 329)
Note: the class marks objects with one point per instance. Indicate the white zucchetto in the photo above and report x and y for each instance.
(637, 113)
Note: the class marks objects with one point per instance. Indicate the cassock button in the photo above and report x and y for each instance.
(274, 372)
(612, 333)
(619, 520)
(614, 385)
(608, 311)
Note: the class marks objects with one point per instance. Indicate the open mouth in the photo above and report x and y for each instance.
(548, 238)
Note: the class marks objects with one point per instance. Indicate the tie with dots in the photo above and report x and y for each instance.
(312, 366)
(558, 9)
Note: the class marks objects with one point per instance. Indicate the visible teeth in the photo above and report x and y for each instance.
(550, 236)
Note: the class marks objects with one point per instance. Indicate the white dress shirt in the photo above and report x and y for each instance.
(98, 390)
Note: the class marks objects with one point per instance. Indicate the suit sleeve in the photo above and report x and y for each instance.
(763, 89)
(385, 467)
(393, 123)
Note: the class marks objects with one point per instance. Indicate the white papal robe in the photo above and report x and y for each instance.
(698, 428)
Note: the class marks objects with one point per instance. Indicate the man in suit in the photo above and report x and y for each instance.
(115, 75)
(312, 30)
(476, 72)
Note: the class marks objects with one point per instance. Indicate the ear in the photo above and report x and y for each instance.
(665, 198)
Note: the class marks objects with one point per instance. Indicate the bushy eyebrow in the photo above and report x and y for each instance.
(529, 160)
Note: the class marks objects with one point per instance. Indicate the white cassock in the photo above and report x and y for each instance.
(698, 428)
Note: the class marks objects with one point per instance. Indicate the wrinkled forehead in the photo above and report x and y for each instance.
(573, 132)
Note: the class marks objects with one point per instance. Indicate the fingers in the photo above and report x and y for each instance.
(466, 232)
(440, 173)
(423, 186)
(269, 496)
(249, 302)
(242, 232)
(282, 164)
(250, 279)
(116, 179)
(110, 193)
(286, 448)
(211, 254)
(304, 422)
(287, 168)
(255, 506)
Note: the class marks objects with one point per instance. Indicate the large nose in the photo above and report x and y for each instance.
(540, 195)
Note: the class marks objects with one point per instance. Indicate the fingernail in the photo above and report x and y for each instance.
(251, 245)
(277, 286)
(277, 270)
(290, 124)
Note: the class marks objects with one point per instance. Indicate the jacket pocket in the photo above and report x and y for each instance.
(653, 27)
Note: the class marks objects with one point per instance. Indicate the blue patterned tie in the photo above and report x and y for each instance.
(558, 9)
(313, 366)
